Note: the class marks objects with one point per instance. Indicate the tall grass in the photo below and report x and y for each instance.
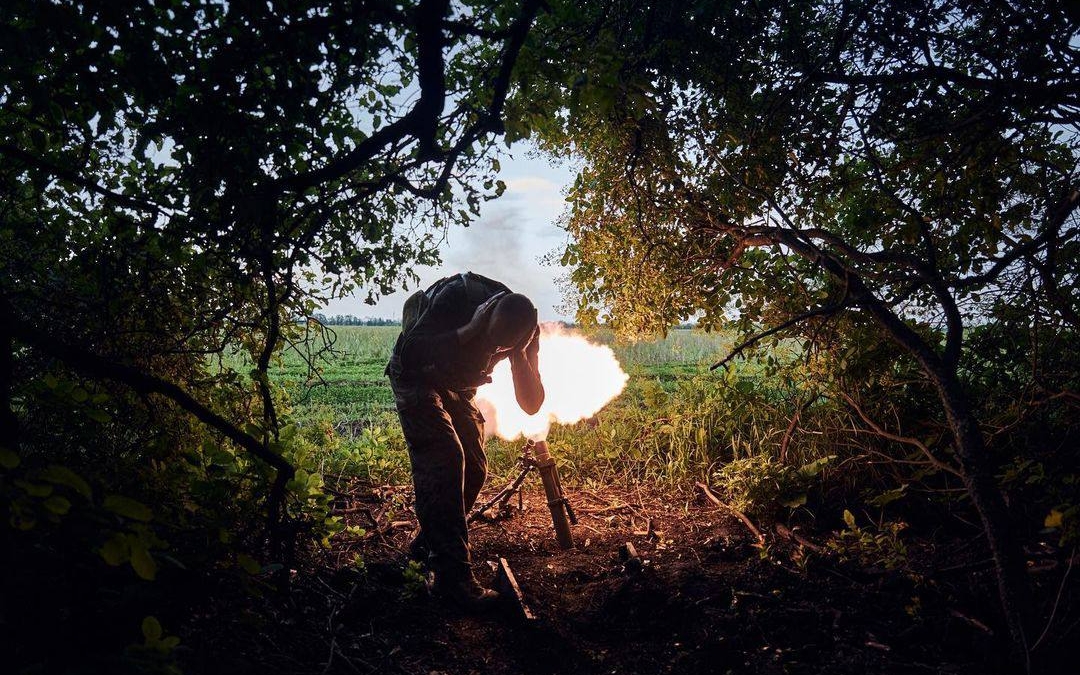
(683, 347)
(676, 420)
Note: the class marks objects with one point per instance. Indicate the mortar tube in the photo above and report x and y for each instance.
(549, 475)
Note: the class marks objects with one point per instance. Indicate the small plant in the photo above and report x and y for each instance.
(155, 654)
(358, 564)
(416, 581)
(760, 484)
(1064, 522)
(878, 546)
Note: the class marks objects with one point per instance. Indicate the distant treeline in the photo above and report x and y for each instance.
(350, 320)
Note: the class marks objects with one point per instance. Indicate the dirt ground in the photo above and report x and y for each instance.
(701, 598)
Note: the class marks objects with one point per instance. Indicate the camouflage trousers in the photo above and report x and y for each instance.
(445, 435)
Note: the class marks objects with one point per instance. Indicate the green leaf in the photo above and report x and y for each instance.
(151, 629)
(129, 508)
(356, 531)
(35, 489)
(248, 564)
(58, 505)
(61, 475)
(142, 562)
(814, 468)
(1054, 519)
(849, 519)
(8, 459)
(98, 415)
(170, 643)
(115, 550)
(888, 496)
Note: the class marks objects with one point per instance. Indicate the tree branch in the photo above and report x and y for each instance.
(73, 177)
(820, 311)
(418, 121)
(1055, 219)
(430, 43)
(95, 366)
(934, 461)
(1044, 91)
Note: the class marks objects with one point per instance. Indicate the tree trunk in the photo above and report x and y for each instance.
(1012, 581)
(8, 420)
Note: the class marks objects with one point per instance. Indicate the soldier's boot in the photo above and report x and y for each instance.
(465, 592)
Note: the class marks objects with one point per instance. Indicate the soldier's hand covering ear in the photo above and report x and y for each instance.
(480, 319)
(530, 346)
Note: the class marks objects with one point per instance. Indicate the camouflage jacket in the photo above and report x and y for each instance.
(427, 353)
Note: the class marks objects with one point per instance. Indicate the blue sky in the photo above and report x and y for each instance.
(506, 243)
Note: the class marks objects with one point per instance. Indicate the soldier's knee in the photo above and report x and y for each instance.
(475, 476)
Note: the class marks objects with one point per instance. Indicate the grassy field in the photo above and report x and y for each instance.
(663, 426)
(354, 389)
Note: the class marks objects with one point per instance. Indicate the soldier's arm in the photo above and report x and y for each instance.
(524, 365)
(432, 352)
(478, 325)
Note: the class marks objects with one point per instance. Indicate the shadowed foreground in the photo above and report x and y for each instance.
(700, 599)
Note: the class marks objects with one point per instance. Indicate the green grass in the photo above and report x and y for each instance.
(354, 386)
(673, 420)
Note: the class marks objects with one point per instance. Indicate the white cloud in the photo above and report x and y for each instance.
(527, 184)
(505, 243)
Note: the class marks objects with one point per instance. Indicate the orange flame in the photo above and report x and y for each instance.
(579, 379)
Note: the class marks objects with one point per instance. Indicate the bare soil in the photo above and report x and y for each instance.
(702, 598)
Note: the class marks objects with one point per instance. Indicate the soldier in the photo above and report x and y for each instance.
(452, 336)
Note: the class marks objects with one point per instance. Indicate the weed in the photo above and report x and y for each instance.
(415, 579)
(761, 484)
(876, 545)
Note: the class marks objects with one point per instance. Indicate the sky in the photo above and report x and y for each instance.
(505, 243)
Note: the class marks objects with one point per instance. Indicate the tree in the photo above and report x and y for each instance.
(915, 164)
(181, 179)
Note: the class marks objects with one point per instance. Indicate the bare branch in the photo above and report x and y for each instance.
(820, 311)
(907, 440)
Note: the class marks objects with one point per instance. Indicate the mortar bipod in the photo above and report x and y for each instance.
(535, 455)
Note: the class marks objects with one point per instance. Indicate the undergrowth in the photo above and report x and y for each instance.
(785, 434)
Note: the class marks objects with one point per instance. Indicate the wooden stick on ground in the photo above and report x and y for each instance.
(736, 512)
(784, 531)
(606, 509)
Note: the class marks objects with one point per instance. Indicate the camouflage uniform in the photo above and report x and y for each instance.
(445, 435)
(434, 381)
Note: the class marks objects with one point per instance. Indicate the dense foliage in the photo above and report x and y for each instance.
(885, 195)
(180, 181)
(896, 184)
